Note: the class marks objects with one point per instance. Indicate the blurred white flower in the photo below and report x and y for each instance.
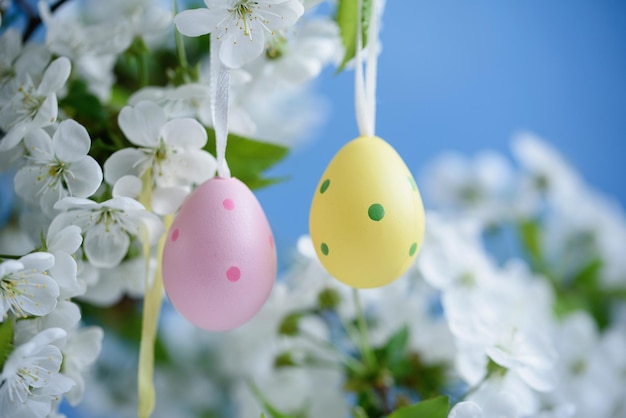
(143, 18)
(482, 188)
(58, 167)
(92, 47)
(453, 254)
(25, 286)
(591, 369)
(79, 353)
(299, 55)
(18, 62)
(107, 226)
(126, 279)
(192, 100)
(30, 380)
(581, 225)
(242, 25)
(33, 106)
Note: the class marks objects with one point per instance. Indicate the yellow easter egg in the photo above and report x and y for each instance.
(367, 216)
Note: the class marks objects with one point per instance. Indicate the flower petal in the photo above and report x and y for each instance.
(55, 76)
(85, 177)
(106, 247)
(38, 294)
(197, 22)
(123, 162)
(64, 272)
(127, 186)
(30, 182)
(10, 46)
(195, 166)
(71, 141)
(39, 261)
(238, 49)
(47, 112)
(66, 316)
(281, 15)
(67, 240)
(141, 124)
(39, 145)
(184, 132)
(168, 199)
(14, 135)
(68, 203)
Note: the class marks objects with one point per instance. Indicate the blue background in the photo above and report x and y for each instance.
(467, 75)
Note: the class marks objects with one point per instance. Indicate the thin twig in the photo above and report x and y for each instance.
(35, 20)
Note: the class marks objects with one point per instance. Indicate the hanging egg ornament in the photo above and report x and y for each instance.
(367, 217)
(219, 261)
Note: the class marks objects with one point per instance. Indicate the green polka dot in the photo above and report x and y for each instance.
(376, 212)
(412, 182)
(324, 248)
(413, 249)
(325, 185)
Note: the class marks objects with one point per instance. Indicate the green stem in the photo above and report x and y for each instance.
(10, 256)
(365, 348)
(353, 364)
(180, 45)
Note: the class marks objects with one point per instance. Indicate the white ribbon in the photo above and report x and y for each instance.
(365, 87)
(219, 85)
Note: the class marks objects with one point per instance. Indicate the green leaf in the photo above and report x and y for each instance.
(6, 340)
(587, 278)
(431, 408)
(347, 13)
(395, 349)
(248, 158)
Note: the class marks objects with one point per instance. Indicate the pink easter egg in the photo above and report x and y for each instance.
(219, 261)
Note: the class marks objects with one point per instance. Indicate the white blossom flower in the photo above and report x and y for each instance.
(591, 369)
(33, 106)
(18, 62)
(25, 286)
(241, 25)
(30, 379)
(191, 100)
(172, 150)
(482, 188)
(92, 47)
(58, 167)
(107, 226)
(142, 17)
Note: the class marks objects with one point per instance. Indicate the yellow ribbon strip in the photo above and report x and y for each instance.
(151, 308)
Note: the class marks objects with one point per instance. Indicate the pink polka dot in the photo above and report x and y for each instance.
(233, 274)
(271, 241)
(175, 234)
(228, 204)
